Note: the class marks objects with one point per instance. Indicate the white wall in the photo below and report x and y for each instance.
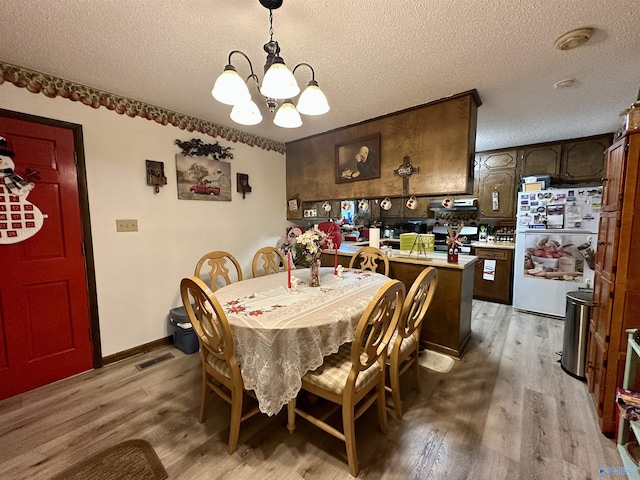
(138, 274)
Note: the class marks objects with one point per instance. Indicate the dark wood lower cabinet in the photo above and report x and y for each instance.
(447, 325)
(500, 288)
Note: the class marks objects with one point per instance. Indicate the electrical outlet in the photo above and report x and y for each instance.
(311, 213)
(126, 225)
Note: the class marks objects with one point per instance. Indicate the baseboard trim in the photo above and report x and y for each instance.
(147, 347)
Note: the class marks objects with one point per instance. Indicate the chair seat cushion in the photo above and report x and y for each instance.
(408, 344)
(332, 375)
(219, 366)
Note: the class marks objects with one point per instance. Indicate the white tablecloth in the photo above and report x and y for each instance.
(279, 336)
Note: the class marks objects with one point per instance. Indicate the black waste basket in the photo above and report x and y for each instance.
(183, 338)
(576, 333)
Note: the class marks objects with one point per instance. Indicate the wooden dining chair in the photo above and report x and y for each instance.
(217, 265)
(270, 259)
(369, 258)
(402, 351)
(220, 369)
(353, 378)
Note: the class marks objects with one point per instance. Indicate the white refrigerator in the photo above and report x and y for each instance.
(556, 238)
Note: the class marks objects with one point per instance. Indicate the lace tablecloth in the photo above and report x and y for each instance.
(279, 336)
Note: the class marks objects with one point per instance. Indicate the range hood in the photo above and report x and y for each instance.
(467, 204)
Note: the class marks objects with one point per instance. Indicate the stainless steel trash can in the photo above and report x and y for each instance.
(576, 333)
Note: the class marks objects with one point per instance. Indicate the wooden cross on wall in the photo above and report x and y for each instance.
(404, 171)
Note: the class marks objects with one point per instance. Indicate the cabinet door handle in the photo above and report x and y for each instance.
(601, 243)
(604, 179)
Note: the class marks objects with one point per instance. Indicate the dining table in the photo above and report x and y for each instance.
(280, 333)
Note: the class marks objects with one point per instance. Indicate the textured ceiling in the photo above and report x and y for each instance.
(371, 57)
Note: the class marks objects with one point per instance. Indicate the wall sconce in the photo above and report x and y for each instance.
(155, 174)
(243, 183)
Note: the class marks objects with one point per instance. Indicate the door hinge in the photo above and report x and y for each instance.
(614, 269)
(604, 364)
(611, 294)
(626, 148)
(600, 406)
(84, 252)
(618, 221)
(606, 340)
(75, 158)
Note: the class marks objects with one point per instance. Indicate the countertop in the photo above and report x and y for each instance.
(503, 245)
(433, 259)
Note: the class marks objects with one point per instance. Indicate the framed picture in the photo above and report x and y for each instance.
(358, 159)
(202, 178)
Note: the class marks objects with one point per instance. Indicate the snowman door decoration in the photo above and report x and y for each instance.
(19, 219)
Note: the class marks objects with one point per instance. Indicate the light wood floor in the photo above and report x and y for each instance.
(506, 411)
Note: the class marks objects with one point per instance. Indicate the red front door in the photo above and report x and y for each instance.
(44, 312)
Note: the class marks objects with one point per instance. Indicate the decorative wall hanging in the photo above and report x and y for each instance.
(197, 148)
(358, 159)
(155, 175)
(293, 204)
(243, 183)
(201, 178)
(405, 171)
(19, 219)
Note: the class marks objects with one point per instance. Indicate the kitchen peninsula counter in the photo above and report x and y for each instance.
(447, 327)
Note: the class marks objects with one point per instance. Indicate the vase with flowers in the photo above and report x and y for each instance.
(308, 248)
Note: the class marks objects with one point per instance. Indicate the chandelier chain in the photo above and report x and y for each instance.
(270, 25)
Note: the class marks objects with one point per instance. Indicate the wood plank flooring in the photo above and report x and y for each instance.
(505, 411)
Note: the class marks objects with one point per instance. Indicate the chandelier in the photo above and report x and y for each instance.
(278, 84)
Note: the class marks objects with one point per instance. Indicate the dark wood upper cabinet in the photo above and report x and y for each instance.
(496, 174)
(541, 160)
(437, 138)
(613, 181)
(497, 159)
(567, 162)
(500, 182)
(583, 161)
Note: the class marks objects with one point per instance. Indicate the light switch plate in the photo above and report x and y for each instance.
(127, 225)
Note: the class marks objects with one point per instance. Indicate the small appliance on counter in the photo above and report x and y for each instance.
(483, 232)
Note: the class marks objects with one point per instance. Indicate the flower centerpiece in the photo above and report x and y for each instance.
(308, 248)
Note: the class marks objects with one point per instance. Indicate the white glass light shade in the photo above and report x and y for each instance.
(287, 116)
(229, 88)
(312, 101)
(246, 113)
(279, 82)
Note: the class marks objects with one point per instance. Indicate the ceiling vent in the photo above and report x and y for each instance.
(574, 38)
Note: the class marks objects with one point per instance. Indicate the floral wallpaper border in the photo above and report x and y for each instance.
(52, 87)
